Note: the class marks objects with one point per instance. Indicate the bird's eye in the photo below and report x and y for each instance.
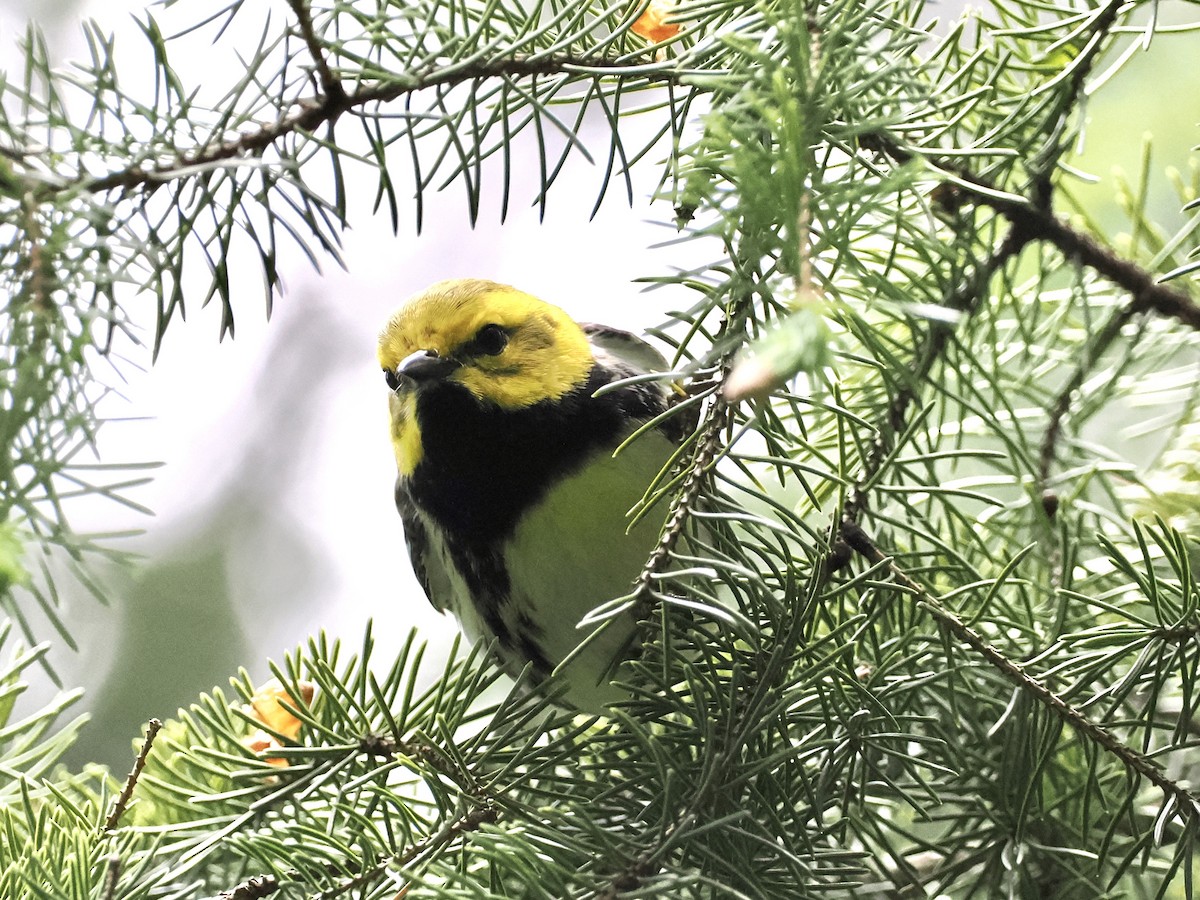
(490, 340)
(392, 379)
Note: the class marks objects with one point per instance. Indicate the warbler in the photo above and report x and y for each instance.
(515, 508)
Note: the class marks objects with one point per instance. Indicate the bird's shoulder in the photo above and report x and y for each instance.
(623, 350)
(622, 354)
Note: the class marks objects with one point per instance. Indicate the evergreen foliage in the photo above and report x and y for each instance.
(915, 627)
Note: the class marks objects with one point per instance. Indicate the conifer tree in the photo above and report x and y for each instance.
(914, 627)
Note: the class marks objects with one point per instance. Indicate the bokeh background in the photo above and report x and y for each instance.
(272, 512)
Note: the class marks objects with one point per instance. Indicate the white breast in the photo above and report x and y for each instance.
(572, 553)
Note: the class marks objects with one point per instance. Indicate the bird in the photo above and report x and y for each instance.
(514, 499)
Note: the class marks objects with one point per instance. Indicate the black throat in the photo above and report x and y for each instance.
(482, 466)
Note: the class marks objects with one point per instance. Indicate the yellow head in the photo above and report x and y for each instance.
(504, 346)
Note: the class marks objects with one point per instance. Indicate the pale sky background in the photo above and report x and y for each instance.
(277, 463)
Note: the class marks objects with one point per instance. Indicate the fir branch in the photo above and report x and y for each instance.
(813, 720)
(314, 112)
(427, 752)
(1147, 294)
(483, 808)
(966, 300)
(1068, 99)
(708, 447)
(1183, 800)
(1032, 221)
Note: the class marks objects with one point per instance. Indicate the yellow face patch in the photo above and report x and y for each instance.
(406, 433)
(547, 353)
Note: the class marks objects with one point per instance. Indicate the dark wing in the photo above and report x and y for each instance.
(427, 566)
(624, 349)
(625, 355)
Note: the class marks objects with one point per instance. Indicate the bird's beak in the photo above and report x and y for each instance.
(426, 365)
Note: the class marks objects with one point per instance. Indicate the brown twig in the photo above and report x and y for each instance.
(122, 802)
(330, 84)
(112, 876)
(1147, 294)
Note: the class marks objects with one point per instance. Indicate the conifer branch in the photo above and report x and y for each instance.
(1068, 99)
(1032, 220)
(472, 820)
(482, 807)
(707, 448)
(1183, 800)
(812, 728)
(311, 114)
(112, 877)
(966, 300)
(1147, 294)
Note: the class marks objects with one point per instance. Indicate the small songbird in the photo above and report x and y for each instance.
(515, 508)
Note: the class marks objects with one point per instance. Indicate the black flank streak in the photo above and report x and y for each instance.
(488, 583)
(416, 539)
(530, 649)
